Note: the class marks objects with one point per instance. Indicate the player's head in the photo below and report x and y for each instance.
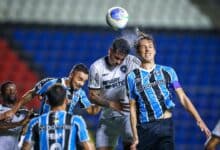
(144, 46)
(9, 92)
(119, 50)
(78, 76)
(56, 95)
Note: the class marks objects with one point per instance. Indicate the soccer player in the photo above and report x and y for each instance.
(56, 129)
(9, 137)
(149, 88)
(214, 140)
(75, 94)
(107, 89)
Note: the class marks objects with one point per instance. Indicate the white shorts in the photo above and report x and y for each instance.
(110, 129)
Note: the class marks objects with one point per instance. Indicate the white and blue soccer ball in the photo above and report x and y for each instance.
(117, 18)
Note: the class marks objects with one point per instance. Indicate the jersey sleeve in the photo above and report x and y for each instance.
(133, 62)
(31, 133)
(130, 86)
(84, 100)
(42, 86)
(174, 79)
(216, 130)
(94, 78)
(82, 131)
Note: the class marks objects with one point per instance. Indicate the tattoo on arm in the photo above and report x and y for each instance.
(96, 98)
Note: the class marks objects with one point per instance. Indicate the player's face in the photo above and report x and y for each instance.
(116, 58)
(78, 79)
(146, 50)
(10, 93)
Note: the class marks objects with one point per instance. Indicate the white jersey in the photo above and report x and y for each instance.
(9, 138)
(111, 80)
(216, 130)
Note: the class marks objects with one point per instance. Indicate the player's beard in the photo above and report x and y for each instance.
(72, 87)
(10, 99)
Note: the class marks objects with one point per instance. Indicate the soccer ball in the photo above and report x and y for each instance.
(117, 18)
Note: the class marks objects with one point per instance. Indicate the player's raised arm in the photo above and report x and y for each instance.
(187, 104)
(28, 96)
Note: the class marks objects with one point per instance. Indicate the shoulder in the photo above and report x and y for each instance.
(98, 62)
(34, 121)
(166, 68)
(132, 73)
(133, 59)
(40, 83)
(78, 119)
(44, 80)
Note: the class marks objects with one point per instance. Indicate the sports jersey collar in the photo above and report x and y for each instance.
(149, 70)
(107, 62)
(63, 82)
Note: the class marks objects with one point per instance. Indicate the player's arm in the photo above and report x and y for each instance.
(83, 134)
(31, 135)
(133, 120)
(26, 146)
(93, 109)
(87, 146)
(28, 96)
(5, 125)
(96, 98)
(187, 104)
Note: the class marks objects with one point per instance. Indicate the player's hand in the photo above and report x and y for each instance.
(204, 128)
(134, 144)
(7, 115)
(119, 106)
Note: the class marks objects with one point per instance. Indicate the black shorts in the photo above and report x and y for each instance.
(156, 135)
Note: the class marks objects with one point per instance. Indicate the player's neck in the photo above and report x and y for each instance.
(59, 108)
(148, 66)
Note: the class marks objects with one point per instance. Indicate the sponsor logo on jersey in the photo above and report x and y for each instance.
(105, 74)
(114, 83)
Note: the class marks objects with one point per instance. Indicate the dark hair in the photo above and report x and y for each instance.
(141, 36)
(56, 95)
(4, 86)
(80, 67)
(121, 45)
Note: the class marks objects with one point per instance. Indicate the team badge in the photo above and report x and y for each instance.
(124, 68)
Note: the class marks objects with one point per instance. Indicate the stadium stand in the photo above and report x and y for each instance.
(17, 70)
(80, 12)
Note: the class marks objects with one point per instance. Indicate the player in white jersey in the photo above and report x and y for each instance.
(107, 89)
(9, 137)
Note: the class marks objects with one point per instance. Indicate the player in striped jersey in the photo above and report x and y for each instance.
(107, 89)
(57, 129)
(149, 88)
(75, 94)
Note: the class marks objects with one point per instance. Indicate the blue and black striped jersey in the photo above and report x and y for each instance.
(72, 96)
(56, 130)
(152, 91)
